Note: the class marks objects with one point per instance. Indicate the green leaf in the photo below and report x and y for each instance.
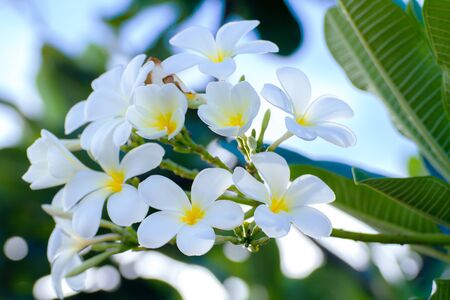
(414, 10)
(368, 205)
(383, 51)
(416, 167)
(427, 195)
(442, 291)
(437, 24)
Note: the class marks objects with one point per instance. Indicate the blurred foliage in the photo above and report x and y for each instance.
(63, 81)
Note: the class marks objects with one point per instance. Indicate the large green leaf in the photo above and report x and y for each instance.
(437, 22)
(427, 195)
(442, 290)
(369, 205)
(383, 50)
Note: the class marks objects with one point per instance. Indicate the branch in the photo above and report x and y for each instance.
(401, 238)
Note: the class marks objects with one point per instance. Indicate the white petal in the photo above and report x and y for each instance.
(195, 239)
(101, 145)
(220, 70)
(228, 131)
(195, 38)
(309, 189)
(251, 187)
(256, 47)
(158, 229)
(274, 170)
(82, 183)
(132, 76)
(297, 86)
(162, 193)
(335, 133)
(178, 118)
(245, 100)
(311, 222)
(180, 62)
(87, 214)
(104, 103)
(218, 93)
(172, 99)
(141, 159)
(122, 133)
(126, 207)
(208, 185)
(274, 225)
(327, 108)
(303, 132)
(105, 152)
(75, 117)
(275, 96)
(58, 271)
(231, 33)
(54, 243)
(40, 178)
(224, 215)
(88, 133)
(109, 79)
(76, 283)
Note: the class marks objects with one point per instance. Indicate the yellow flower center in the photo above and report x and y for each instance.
(302, 121)
(164, 122)
(190, 96)
(278, 205)
(193, 215)
(236, 120)
(219, 57)
(116, 181)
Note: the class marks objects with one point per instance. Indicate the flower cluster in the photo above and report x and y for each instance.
(134, 110)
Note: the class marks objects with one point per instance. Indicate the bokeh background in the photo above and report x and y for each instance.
(51, 50)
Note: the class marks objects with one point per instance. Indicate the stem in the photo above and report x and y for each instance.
(185, 139)
(410, 238)
(277, 143)
(105, 238)
(249, 213)
(221, 239)
(240, 200)
(177, 169)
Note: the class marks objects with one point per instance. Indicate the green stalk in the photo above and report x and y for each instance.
(402, 238)
(178, 169)
(277, 143)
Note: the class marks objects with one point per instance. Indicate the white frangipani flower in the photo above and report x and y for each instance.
(52, 164)
(214, 56)
(107, 105)
(88, 190)
(285, 202)
(229, 110)
(191, 221)
(63, 251)
(64, 247)
(158, 111)
(309, 119)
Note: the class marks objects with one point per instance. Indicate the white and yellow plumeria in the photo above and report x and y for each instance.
(285, 202)
(52, 164)
(309, 119)
(229, 110)
(86, 193)
(106, 106)
(192, 221)
(214, 56)
(64, 247)
(158, 111)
